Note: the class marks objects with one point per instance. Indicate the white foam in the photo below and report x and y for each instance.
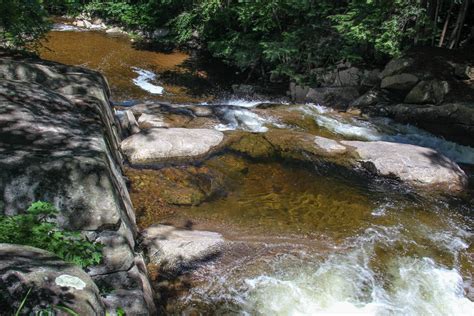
(346, 129)
(244, 103)
(409, 134)
(346, 284)
(64, 27)
(420, 287)
(144, 81)
(387, 130)
(243, 119)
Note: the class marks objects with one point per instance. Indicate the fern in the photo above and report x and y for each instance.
(36, 228)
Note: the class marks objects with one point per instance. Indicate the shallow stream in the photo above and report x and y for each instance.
(304, 238)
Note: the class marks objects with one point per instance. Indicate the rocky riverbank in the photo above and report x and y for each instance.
(59, 142)
(430, 88)
(187, 134)
(64, 142)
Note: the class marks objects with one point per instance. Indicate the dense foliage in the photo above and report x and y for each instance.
(281, 39)
(35, 228)
(22, 22)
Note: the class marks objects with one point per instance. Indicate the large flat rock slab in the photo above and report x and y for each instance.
(412, 164)
(52, 282)
(59, 142)
(158, 145)
(174, 249)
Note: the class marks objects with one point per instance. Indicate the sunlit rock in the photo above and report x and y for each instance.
(51, 280)
(151, 120)
(419, 166)
(329, 145)
(175, 249)
(156, 144)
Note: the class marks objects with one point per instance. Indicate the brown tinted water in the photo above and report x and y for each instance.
(286, 220)
(303, 239)
(115, 57)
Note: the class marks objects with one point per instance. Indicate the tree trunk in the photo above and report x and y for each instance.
(439, 4)
(456, 34)
(446, 24)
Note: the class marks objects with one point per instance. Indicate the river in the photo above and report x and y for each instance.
(305, 238)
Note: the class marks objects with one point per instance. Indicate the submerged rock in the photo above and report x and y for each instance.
(415, 165)
(52, 282)
(253, 145)
(176, 249)
(298, 145)
(158, 145)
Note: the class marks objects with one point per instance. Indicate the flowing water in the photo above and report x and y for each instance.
(304, 239)
(133, 74)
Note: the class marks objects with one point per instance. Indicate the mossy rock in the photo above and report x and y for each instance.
(230, 165)
(183, 195)
(175, 186)
(253, 145)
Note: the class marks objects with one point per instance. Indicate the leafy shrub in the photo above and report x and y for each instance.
(35, 228)
(22, 23)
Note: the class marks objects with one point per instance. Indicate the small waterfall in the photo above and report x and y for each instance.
(145, 79)
(349, 284)
(387, 130)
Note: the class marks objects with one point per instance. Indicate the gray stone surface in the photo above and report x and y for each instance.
(464, 72)
(339, 97)
(59, 142)
(156, 144)
(348, 77)
(128, 123)
(404, 81)
(397, 65)
(114, 30)
(298, 93)
(330, 146)
(370, 98)
(418, 166)
(371, 78)
(175, 249)
(454, 120)
(131, 289)
(132, 302)
(432, 91)
(51, 280)
(151, 120)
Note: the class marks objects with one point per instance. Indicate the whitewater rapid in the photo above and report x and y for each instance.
(349, 284)
(385, 129)
(145, 80)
